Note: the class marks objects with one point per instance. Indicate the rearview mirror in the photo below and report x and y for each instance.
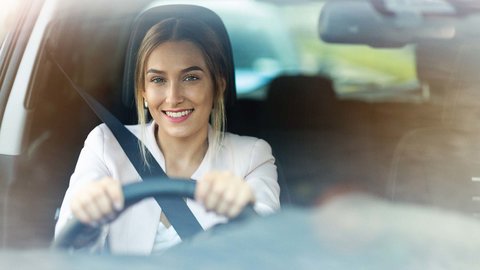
(383, 23)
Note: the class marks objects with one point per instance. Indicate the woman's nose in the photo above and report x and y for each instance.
(174, 94)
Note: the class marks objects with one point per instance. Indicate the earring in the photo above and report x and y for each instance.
(145, 110)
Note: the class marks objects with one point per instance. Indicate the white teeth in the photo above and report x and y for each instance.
(178, 114)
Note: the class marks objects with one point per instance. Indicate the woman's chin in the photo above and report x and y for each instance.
(181, 132)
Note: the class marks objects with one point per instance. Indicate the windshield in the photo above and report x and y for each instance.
(399, 123)
(358, 72)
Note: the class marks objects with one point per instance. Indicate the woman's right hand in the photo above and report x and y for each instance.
(98, 202)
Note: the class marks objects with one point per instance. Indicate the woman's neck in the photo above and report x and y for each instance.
(182, 155)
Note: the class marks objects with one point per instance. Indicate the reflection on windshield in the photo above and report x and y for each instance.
(376, 74)
(1, 46)
(7, 12)
(358, 72)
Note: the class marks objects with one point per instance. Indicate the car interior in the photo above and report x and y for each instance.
(403, 152)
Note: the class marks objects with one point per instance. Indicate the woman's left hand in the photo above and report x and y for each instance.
(224, 193)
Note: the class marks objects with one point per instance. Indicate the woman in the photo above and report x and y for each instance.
(181, 79)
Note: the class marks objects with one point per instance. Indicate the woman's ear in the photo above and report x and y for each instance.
(222, 85)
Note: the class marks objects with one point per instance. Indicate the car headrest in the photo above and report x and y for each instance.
(153, 15)
(300, 102)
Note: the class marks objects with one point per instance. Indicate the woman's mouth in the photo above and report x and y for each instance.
(178, 115)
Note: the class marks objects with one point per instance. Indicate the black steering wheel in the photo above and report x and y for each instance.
(77, 234)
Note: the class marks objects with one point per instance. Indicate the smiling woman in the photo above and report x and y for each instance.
(203, 52)
(181, 77)
(179, 92)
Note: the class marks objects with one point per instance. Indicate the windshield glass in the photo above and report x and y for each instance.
(399, 124)
(358, 72)
(271, 40)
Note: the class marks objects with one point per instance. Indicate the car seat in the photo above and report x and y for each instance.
(303, 120)
(439, 165)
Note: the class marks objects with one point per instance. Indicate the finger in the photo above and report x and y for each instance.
(203, 186)
(227, 200)
(243, 198)
(82, 208)
(94, 201)
(91, 209)
(79, 213)
(103, 203)
(217, 188)
(114, 191)
(235, 210)
(212, 197)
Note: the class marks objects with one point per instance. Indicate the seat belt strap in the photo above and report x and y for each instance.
(175, 209)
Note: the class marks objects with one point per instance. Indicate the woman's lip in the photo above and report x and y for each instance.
(178, 115)
(176, 110)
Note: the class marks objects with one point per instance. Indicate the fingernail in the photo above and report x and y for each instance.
(118, 206)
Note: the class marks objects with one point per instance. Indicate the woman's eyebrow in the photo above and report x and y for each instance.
(156, 71)
(192, 68)
(185, 70)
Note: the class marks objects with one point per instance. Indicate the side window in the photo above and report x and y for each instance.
(3, 24)
(8, 14)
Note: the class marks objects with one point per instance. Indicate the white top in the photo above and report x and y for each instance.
(165, 238)
(135, 230)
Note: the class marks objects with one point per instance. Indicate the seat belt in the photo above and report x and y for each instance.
(175, 209)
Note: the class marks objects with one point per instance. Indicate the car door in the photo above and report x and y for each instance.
(22, 26)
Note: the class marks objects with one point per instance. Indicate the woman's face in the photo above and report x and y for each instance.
(178, 89)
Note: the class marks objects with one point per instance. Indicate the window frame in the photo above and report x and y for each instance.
(17, 45)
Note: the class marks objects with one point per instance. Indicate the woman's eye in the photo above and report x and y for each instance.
(191, 78)
(157, 80)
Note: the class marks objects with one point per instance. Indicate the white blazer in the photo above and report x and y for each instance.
(134, 231)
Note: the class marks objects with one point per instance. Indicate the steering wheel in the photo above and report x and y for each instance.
(77, 234)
